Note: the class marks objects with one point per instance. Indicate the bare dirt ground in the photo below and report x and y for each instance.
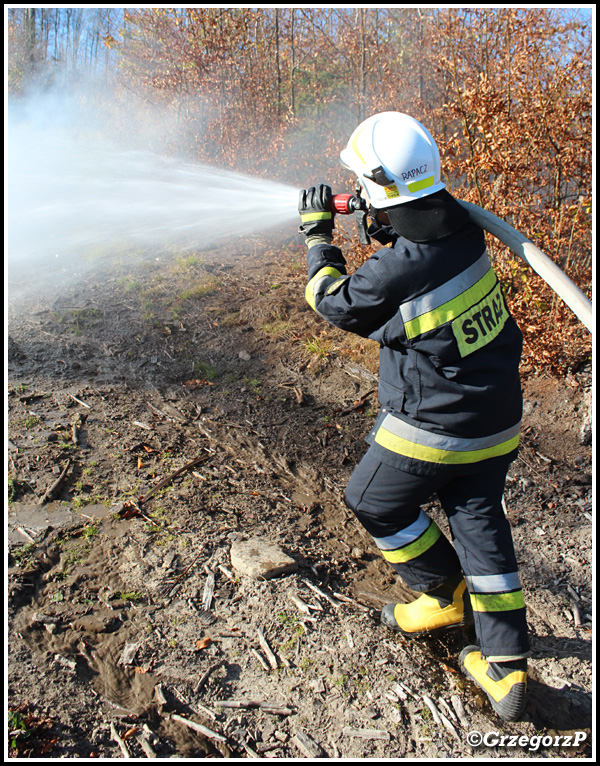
(160, 412)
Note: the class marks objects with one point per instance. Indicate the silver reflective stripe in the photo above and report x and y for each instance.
(321, 285)
(450, 443)
(405, 536)
(446, 292)
(493, 583)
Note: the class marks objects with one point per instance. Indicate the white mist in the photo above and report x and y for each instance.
(70, 189)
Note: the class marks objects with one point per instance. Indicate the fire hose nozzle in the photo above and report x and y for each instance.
(345, 204)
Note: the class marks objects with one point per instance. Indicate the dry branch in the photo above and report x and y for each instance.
(168, 479)
(83, 404)
(357, 405)
(308, 746)
(260, 658)
(322, 593)
(208, 674)
(147, 747)
(119, 741)
(266, 707)
(434, 711)
(440, 718)
(348, 731)
(267, 649)
(53, 489)
(460, 711)
(209, 590)
(199, 728)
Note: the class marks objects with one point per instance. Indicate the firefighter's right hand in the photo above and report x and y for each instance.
(314, 206)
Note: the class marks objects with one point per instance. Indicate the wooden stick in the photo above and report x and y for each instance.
(25, 534)
(449, 725)
(322, 593)
(357, 405)
(267, 649)
(207, 675)
(399, 691)
(451, 714)
(209, 590)
(146, 746)
(201, 709)
(226, 572)
(83, 404)
(52, 490)
(434, 711)
(302, 606)
(259, 657)
(308, 746)
(460, 711)
(199, 728)
(348, 731)
(267, 707)
(119, 741)
(168, 479)
(347, 600)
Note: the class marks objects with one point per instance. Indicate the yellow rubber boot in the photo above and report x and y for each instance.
(431, 612)
(505, 683)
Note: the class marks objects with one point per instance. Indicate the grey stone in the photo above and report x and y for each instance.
(260, 559)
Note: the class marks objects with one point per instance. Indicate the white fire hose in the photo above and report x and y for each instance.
(575, 299)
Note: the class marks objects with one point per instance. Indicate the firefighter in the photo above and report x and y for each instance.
(450, 397)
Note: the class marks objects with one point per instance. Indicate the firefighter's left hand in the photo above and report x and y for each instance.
(314, 206)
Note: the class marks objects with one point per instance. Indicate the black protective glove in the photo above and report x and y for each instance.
(314, 206)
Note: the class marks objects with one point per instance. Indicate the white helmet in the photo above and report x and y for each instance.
(395, 157)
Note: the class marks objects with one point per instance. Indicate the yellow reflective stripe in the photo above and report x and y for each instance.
(412, 550)
(497, 602)
(423, 183)
(355, 146)
(323, 216)
(315, 283)
(480, 324)
(419, 435)
(435, 455)
(452, 308)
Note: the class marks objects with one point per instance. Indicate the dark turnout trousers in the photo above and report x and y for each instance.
(387, 502)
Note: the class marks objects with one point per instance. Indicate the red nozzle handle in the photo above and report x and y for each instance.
(344, 204)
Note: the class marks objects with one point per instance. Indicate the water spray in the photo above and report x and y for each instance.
(77, 201)
(69, 192)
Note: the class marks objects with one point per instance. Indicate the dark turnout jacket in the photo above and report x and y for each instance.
(449, 383)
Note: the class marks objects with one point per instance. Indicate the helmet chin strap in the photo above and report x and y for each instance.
(379, 216)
